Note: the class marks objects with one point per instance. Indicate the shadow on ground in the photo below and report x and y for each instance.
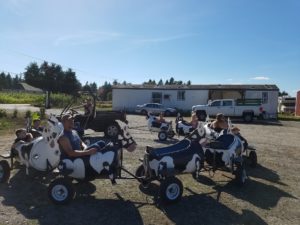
(29, 197)
(265, 173)
(202, 209)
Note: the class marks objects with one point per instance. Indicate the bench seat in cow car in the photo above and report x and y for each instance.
(180, 146)
(222, 142)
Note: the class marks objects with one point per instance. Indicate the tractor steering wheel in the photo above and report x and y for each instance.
(73, 111)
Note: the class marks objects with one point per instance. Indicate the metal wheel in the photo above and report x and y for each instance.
(4, 171)
(61, 191)
(162, 135)
(171, 190)
(144, 112)
(112, 130)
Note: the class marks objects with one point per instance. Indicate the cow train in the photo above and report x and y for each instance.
(191, 155)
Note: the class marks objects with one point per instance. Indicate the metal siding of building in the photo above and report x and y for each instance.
(129, 98)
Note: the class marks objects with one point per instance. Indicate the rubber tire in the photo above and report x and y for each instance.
(248, 117)
(165, 187)
(162, 135)
(4, 167)
(140, 171)
(171, 134)
(253, 159)
(144, 112)
(240, 174)
(167, 113)
(67, 184)
(112, 130)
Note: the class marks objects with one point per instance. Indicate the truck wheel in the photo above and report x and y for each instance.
(144, 112)
(61, 191)
(248, 117)
(4, 171)
(170, 190)
(162, 135)
(201, 115)
(112, 130)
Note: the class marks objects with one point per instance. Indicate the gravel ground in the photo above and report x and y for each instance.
(271, 195)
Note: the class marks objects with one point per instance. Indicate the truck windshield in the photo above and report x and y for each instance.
(216, 103)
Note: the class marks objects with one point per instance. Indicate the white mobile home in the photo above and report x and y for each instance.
(184, 97)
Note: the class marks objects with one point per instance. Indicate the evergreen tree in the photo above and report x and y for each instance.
(3, 81)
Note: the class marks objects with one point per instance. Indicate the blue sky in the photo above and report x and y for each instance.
(207, 42)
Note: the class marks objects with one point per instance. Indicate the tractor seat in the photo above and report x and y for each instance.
(180, 146)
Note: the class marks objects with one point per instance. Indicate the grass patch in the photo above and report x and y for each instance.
(288, 117)
(57, 100)
(9, 124)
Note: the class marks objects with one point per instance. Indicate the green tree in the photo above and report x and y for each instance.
(51, 77)
(8, 81)
(93, 87)
(2, 81)
(283, 93)
(72, 85)
(172, 81)
(33, 76)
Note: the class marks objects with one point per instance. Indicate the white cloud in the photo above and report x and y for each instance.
(260, 78)
(164, 39)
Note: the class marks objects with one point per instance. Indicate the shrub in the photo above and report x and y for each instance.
(42, 112)
(15, 114)
(3, 113)
(28, 114)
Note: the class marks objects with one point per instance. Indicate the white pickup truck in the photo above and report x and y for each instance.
(230, 107)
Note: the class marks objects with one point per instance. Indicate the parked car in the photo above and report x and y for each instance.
(248, 109)
(154, 108)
